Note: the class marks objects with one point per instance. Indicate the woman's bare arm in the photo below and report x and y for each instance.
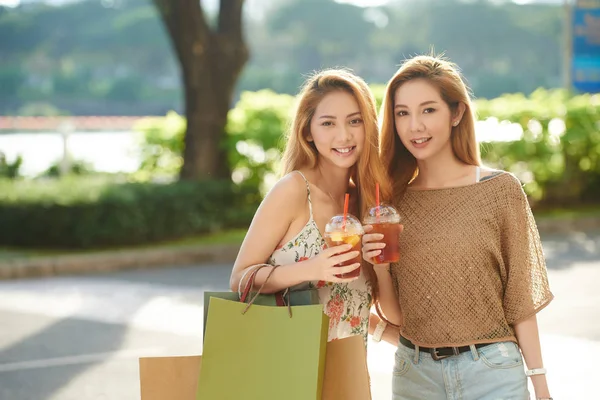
(529, 341)
(282, 206)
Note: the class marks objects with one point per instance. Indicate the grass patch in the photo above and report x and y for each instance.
(7, 254)
(561, 213)
(233, 237)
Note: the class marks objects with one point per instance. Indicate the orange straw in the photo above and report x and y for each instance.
(346, 201)
(377, 199)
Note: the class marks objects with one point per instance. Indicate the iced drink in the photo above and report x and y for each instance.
(338, 233)
(385, 220)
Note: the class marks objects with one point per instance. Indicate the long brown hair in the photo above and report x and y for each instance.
(300, 153)
(399, 163)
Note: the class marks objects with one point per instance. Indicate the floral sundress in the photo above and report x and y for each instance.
(346, 304)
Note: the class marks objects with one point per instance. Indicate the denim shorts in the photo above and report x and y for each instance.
(493, 372)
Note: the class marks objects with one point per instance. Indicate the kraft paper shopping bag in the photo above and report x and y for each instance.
(169, 378)
(346, 374)
(176, 378)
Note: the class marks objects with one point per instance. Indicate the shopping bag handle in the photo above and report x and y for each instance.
(253, 270)
(279, 296)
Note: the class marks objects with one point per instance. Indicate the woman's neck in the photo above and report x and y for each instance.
(443, 170)
(334, 181)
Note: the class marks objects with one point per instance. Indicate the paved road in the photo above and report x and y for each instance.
(78, 338)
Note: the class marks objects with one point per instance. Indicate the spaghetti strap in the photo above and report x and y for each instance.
(477, 174)
(308, 192)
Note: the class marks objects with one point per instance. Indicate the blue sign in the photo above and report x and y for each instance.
(586, 46)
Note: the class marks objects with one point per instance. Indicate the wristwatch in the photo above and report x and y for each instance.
(378, 333)
(535, 371)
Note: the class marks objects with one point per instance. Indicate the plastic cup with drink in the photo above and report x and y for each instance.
(345, 229)
(386, 221)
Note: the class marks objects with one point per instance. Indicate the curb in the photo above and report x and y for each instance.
(120, 260)
(37, 267)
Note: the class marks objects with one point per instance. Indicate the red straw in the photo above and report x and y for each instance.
(346, 201)
(377, 199)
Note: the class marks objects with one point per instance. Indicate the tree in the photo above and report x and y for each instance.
(211, 61)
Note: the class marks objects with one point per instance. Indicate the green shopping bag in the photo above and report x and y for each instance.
(294, 298)
(263, 354)
(255, 352)
(298, 298)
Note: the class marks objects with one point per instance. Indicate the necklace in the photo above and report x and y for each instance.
(332, 199)
(336, 203)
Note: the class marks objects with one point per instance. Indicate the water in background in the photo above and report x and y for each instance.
(119, 151)
(105, 151)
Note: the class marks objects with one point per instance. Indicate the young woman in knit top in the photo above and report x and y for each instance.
(331, 150)
(472, 276)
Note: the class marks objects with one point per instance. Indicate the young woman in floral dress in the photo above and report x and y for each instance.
(331, 150)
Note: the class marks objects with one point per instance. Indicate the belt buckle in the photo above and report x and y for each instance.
(437, 357)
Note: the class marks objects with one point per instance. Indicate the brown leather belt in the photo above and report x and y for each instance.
(439, 353)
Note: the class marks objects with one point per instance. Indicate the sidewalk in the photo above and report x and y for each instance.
(169, 255)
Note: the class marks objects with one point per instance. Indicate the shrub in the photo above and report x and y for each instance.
(558, 157)
(76, 213)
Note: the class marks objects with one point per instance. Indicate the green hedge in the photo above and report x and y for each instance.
(559, 166)
(86, 214)
(558, 157)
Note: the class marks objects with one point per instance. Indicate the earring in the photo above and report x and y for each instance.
(455, 123)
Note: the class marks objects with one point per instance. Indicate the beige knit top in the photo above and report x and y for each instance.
(471, 263)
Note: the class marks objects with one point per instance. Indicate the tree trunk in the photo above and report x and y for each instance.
(211, 61)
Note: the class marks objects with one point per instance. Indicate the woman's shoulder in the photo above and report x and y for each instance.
(295, 181)
(490, 173)
(504, 189)
(503, 179)
(290, 190)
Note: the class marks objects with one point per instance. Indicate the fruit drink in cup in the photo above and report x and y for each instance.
(340, 231)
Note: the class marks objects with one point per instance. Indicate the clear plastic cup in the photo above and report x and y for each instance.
(338, 233)
(385, 220)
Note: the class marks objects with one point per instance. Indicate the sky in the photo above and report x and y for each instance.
(362, 3)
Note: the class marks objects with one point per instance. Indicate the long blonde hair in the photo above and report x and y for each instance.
(399, 163)
(300, 153)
